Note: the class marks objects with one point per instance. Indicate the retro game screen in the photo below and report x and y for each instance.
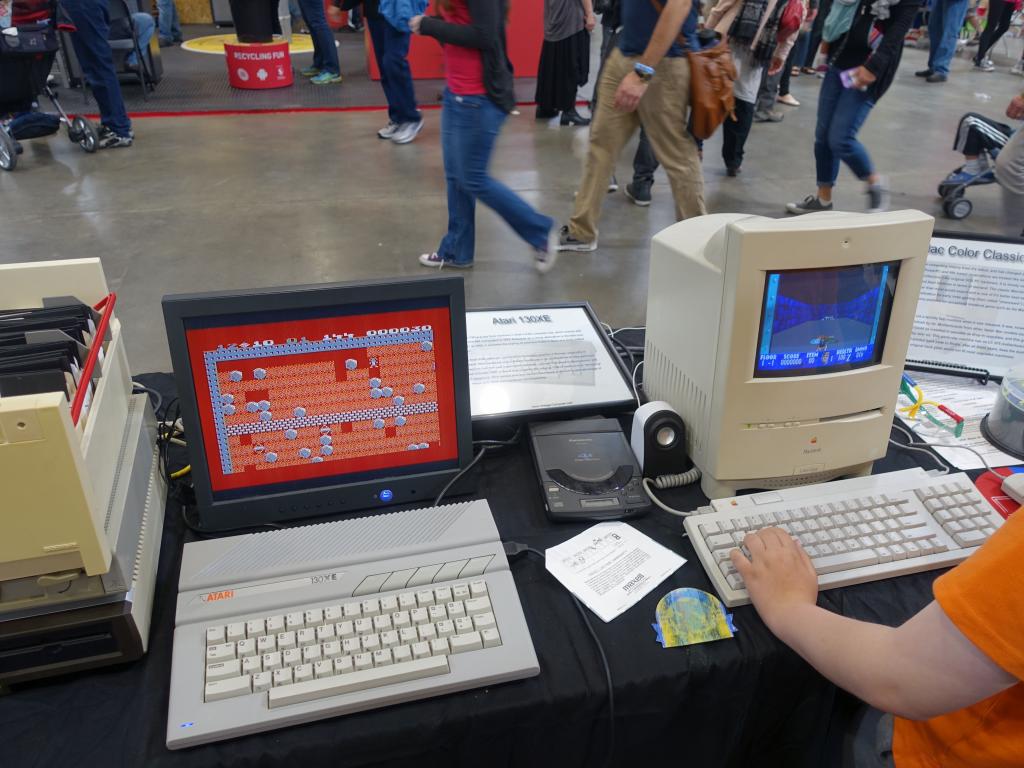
(304, 398)
(824, 320)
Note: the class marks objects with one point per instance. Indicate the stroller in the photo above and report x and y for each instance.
(27, 51)
(976, 135)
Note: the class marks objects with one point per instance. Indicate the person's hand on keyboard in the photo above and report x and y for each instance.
(778, 573)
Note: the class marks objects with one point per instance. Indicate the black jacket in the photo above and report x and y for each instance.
(852, 49)
(487, 34)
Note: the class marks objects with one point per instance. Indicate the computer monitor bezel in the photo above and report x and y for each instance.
(341, 497)
(576, 410)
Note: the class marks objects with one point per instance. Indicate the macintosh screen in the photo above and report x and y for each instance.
(824, 320)
(302, 398)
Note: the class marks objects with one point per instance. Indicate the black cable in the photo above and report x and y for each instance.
(203, 533)
(515, 549)
(629, 354)
(502, 443)
(473, 463)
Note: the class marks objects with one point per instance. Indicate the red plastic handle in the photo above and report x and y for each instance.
(106, 304)
(954, 416)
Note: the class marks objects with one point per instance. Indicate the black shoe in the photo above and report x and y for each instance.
(936, 77)
(640, 194)
(110, 140)
(732, 171)
(165, 42)
(546, 114)
(572, 117)
(924, 73)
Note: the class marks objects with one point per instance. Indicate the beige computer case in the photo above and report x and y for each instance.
(55, 477)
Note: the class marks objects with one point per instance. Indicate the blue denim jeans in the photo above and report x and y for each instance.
(325, 54)
(469, 127)
(841, 113)
(170, 27)
(144, 26)
(944, 23)
(92, 47)
(391, 49)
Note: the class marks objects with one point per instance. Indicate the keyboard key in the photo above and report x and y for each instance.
(425, 597)
(266, 644)
(460, 592)
(443, 595)
(251, 665)
(282, 676)
(291, 657)
(438, 612)
(324, 633)
(333, 613)
(401, 619)
(285, 640)
(970, 538)
(362, 661)
(262, 681)
(456, 609)
(343, 665)
(445, 628)
(221, 670)
(293, 621)
(312, 653)
(463, 625)
(215, 636)
(332, 649)
(227, 689)
(483, 621)
(351, 610)
(362, 680)
(323, 669)
(343, 629)
(382, 622)
(364, 626)
(305, 637)
(427, 631)
(408, 635)
(389, 639)
(388, 604)
(477, 605)
(401, 653)
(913, 550)
(407, 601)
(884, 554)
(719, 541)
(255, 628)
(314, 617)
(421, 650)
(709, 529)
(370, 642)
(221, 652)
(468, 642)
(302, 672)
(419, 616)
(898, 552)
(351, 645)
(490, 637)
(382, 658)
(246, 647)
(439, 646)
(844, 561)
(275, 625)
(235, 632)
(271, 661)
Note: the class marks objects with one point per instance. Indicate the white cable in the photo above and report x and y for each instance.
(636, 394)
(647, 482)
(628, 328)
(676, 481)
(923, 447)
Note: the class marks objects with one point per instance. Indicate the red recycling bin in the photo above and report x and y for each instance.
(259, 65)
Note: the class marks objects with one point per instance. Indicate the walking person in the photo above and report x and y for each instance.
(477, 100)
(92, 46)
(325, 69)
(1010, 172)
(944, 23)
(865, 43)
(564, 59)
(391, 38)
(752, 29)
(645, 82)
(1000, 14)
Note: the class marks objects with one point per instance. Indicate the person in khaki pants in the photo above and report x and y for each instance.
(646, 81)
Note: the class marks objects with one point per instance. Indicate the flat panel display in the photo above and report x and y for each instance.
(824, 320)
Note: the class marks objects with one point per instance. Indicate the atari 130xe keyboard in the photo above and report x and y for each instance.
(858, 530)
(279, 628)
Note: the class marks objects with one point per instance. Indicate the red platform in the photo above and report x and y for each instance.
(257, 66)
(525, 35)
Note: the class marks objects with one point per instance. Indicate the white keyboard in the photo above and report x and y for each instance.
(279, 628)
(858, 530)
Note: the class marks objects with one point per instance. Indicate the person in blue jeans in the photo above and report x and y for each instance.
(170, 26)
(391, 50)
(944, 24)
(144, 28)
(92, 47)
(864, 50)
(325, 69)
(478, 98)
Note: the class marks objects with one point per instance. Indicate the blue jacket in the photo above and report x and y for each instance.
(398, 12)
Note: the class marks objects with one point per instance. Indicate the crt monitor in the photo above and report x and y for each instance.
(782, 342)
(321, 399)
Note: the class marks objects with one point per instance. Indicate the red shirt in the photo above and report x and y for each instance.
(464, 67)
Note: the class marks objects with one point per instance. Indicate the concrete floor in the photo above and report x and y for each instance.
(206, 203)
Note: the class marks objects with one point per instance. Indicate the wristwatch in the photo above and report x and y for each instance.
(644, 72)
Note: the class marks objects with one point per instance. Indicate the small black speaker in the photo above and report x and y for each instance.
(659, 440)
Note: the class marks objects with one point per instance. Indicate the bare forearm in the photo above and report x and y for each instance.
(893, 669)
(670, 22)
(588, 7)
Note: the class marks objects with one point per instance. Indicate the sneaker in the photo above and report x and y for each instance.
(985, 65)
(544, 258)
(936, 77)
(309, 71)
(406, 132)
(326, 78)
(768, 116)
(436, 261)
(640, 194)
(789, 100)
(1018, 68)
(810, 204)
(388, 130)
(878, 196)
(572, 117)
(613, 185)
(924, 73)
(567, 242)
(110, 140)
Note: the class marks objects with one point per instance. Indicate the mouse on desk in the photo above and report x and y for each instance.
(1013, 486)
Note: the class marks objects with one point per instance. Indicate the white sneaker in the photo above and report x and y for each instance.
(1018, 68)
(406, 132)
(544, 258)
(388, 130)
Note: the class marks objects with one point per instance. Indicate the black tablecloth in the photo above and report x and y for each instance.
(749, 701)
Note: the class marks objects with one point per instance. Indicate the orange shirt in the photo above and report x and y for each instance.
(984, 598)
